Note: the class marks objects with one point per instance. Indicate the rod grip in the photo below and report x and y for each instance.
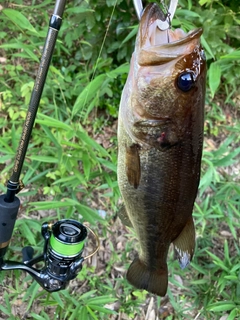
(8, 215)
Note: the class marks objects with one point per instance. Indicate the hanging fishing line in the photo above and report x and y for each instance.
(97, 62)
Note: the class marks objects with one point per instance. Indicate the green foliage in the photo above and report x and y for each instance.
(220, 22)
(66, 171)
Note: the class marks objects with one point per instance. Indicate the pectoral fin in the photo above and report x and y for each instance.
(184, 244)
(133, 169)
(122, 214)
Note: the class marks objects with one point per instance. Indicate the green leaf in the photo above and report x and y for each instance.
(218, 261)
(223, 148)
(186, 13)
(200, 282)
(6, 145)
(207, 46)
(235, 55)
(47, 159)
(226, 252)
(214, 77)
(234, 278)
(102, 309)
(233, 314)
(89, 214)
(19, 19)
(108, 164)
(44, 205)
(101, 300)
(83, 314)
(235, 268)
(221, 306)
(199, 268)
(79, 9)
(36, 316)
(75, 313)
(206, 180)
(32, 55)
(202, 2)
(56, 296)
(56, 71)
(6, 158)
(123, 69)
(229, 159)
(27, 232)
(91, 312)
(82, 135)
(81, 179)
(52, 138)
(5, 310)
(34, 287)
(51, 122)
(17, 45)
(87, 295)
(88, 93)
(86, 165)
(131, 34)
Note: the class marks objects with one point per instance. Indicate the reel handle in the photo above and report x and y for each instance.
(27, 254)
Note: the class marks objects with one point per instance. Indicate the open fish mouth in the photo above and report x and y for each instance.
(157, 46)
(170, 38)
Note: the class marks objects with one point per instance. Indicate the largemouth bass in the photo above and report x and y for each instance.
(160, 138)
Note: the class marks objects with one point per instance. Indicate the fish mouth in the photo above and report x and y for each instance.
(157, 46)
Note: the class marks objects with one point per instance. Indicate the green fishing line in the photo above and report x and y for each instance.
(66, 249)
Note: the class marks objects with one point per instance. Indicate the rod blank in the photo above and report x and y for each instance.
(54, 26)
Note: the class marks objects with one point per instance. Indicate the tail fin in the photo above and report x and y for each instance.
(142, 277)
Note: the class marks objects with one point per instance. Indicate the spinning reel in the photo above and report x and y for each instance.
(62, 255)
(63, 240)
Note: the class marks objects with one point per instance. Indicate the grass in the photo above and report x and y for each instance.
(70, 168)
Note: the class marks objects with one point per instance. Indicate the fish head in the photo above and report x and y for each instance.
(167, 80)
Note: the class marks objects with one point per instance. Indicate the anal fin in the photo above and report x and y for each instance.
(184, 244)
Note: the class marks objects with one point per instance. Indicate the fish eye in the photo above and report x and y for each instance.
(185, 81)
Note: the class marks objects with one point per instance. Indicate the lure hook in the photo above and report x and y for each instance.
(162, 25)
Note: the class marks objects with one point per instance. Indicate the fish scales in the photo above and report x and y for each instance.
(160, 137)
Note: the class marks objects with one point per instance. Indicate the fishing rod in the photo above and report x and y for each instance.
(63, 240)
